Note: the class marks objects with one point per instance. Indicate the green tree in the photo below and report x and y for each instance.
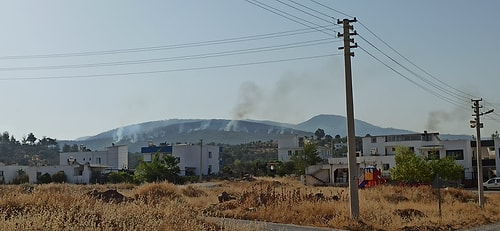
(319, 133)
(66, 148)
(161, 168)
(44, 179)
(74, 148)
(410, 167)
(286, 168)
(447, 168)
(59, 177)
(47, 141)
(31, 138)
(120, 177)
(338, 139)
(307, 157)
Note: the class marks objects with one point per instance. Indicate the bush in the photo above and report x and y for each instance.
(59, 177)
(44, 179)
(21, 178)
(120, 177)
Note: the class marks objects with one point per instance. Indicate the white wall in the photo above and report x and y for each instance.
(287, 145)
(189, 156)
(116, 157)
(72, 173)
(12, 171)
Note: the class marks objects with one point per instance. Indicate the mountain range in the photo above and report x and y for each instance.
(222, 131)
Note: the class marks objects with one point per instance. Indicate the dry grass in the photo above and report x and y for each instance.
(164, 206)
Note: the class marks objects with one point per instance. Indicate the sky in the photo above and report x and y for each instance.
(70, 69)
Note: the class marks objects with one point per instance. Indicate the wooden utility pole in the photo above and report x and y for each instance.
(476, 123)
(351, 138)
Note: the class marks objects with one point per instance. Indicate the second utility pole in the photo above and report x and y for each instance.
(351, 138)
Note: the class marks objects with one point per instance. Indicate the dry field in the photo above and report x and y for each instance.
(164, 206)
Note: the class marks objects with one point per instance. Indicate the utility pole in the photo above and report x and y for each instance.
(476, 123)
(351, 138)
(201, 160)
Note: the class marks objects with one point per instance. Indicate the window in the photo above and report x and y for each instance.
(412, 149)
(98, 160)
(385, 167)
(455, 154)
(289, 152)
(209, 155)
(374, 139)
(1, 173)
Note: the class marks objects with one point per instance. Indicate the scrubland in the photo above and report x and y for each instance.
(164, 206)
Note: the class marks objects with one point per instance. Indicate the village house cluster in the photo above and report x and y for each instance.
(86, 166)
(379, 152)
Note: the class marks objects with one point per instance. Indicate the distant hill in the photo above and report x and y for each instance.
(223, 131)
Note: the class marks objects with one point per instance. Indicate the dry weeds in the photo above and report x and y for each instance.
(164, 206)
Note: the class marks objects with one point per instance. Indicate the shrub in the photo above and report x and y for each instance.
(21, 178)
(59, 177)
(44, 179)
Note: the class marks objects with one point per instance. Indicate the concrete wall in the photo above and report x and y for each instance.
(116, 157)
(287, 146)
(10, 172)
(189, 156)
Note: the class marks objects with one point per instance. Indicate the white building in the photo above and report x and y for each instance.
(189, 157)
(9, 172)
(75, 174)
(114, 157)
(379, 151)
(79, 167)
(290, 145)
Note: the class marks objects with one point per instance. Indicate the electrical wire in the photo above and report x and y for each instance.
(330, 8)
(169, 70)
(414, 82)
(175, 46)
(412, 63)
(284, 14)
(178, 58)
(448, 92)
(303, 11)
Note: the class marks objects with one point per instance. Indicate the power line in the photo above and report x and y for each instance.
(284, 14)
(167, 71)
(338, 11)
(303, 11)
(448, 92)
(178, 58)
(460, 96)
(174, 46)
(415, 83)
(412, 63)
(311, 9)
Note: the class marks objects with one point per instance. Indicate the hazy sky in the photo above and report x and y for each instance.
(76, 68)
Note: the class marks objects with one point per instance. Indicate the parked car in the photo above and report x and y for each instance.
(493, 183)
